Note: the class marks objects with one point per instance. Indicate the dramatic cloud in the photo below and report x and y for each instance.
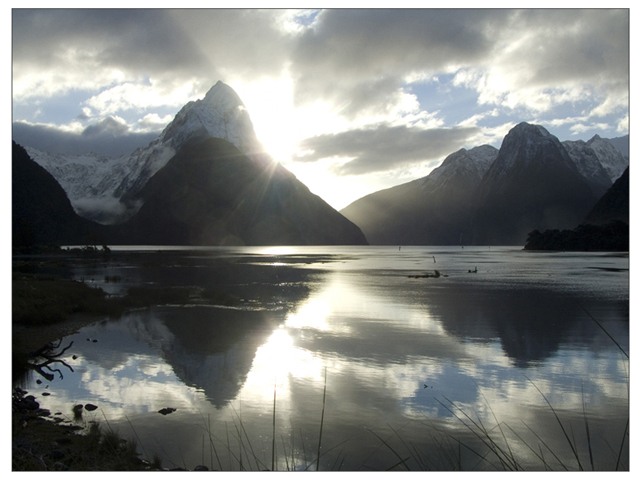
(348, 51)
(97, 138)
(311, 77)
(384, 148)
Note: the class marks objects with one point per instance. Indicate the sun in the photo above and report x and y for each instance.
(280, 125)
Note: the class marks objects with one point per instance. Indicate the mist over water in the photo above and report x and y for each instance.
(403, 352)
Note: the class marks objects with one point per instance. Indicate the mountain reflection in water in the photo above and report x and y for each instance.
(396, 351)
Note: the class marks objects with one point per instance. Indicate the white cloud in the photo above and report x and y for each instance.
(137, 96)
(152, 122)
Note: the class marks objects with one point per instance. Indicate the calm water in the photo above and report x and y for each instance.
(406, 362)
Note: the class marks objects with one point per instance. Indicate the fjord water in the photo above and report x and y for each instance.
(364, 350)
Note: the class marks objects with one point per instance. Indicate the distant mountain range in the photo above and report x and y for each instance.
(204, 181)
(207, 181)
(485, 196)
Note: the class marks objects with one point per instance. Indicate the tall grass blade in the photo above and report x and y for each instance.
(226, 427)
(566, 436)
(324, 398)
(134, 432)
(293, 442)
(273, 440)
(540, 456)
(403, 442)
(484, 438)
(402, 461)
(284, 449)
(212, 445)
(605, 331)
(624, 436)
(399, 463)
(586, 424)
(304, 450)
(546, 446)
(244, 430)
(504, 437)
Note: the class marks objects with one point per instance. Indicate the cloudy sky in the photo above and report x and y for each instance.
(351, 101)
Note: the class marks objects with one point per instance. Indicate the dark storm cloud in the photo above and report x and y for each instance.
(140, 40)
(590, 45)
(97, 138)
(351, 50)
(384, 148)
(108, 126)
(169, 46)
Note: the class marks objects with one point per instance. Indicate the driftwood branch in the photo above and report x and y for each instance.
(50, 356)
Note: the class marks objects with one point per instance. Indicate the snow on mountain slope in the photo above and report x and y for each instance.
(613, 161)
(520, 146)
(472, 163)
(89, 181)
(588, 165)
(96, 184)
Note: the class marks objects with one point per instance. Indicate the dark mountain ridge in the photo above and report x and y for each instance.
(41, 212)
(212, 194)
(533, 182)
(433, 210)
(605, 228)
(209, 193)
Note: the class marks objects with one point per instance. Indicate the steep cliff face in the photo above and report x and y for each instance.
(41, 211)
(434, 210)
(613, 205)
(104, 189)
(212, 194)
(533, 184)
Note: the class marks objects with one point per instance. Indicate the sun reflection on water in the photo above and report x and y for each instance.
(279, 250)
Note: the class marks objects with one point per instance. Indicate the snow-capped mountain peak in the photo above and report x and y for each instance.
(469, 163)
(614, 162)
(220, 114)
(522, 144)
(93, 183)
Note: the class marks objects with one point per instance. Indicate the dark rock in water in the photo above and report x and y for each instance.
(201, 468)
(90, 407)
(29, 403)
(45, 394)
(167, 410)
(435, 274)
